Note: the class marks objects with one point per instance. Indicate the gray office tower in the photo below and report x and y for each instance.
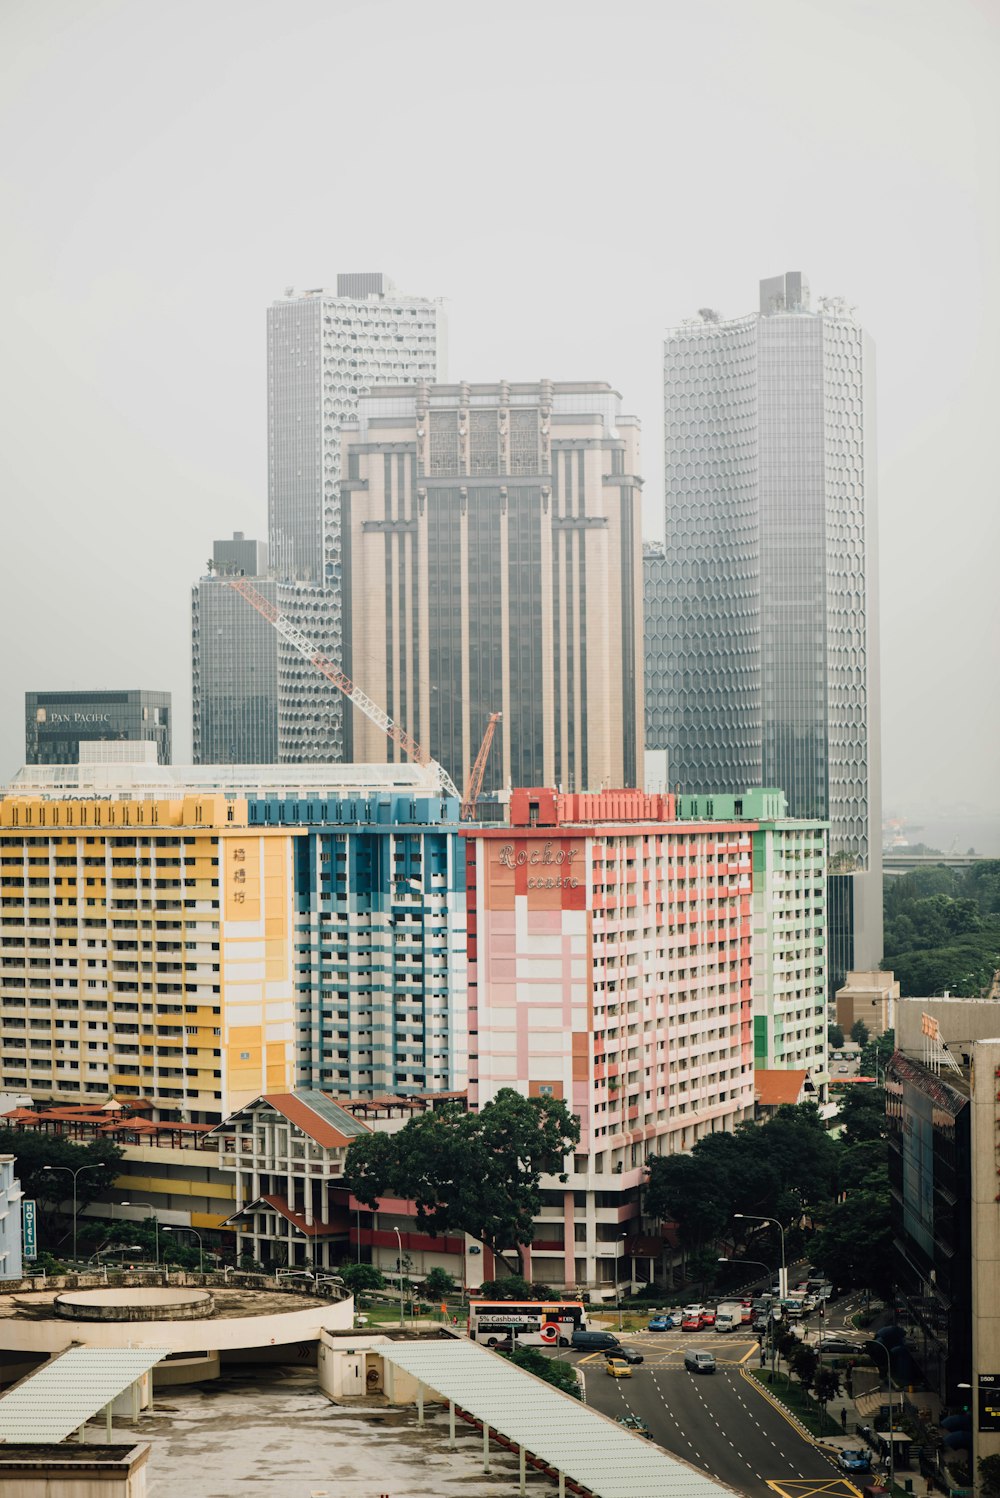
(770, 666)
(56, 723)
(255, 700)
(324, 350)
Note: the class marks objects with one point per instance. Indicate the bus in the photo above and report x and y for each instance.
(539, 1323)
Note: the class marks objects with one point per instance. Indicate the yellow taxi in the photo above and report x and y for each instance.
(618, 1368)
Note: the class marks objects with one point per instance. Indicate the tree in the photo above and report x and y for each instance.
(989, 1476)
(52, 1190)
(515, 1287)
(876, 1054)
(826, 1384)
(835, 1036)
(358, 1277)
(552, 1370)
(803, 1361)
(862, 1114)
(859, 1032)
(854, 1245)
(439, 1284)
(475, 1173)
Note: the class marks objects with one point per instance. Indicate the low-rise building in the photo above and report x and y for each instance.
(11, 1226)
(869, 997)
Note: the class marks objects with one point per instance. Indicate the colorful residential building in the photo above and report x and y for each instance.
(200, 935)
(789, 929)
(610, 966)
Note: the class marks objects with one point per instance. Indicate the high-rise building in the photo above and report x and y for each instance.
(57, 723)
(324, 351)
(789, 929)
(198, 936)
(771, 673)
(610, 966)
(656, 614)
(255, 700)
(492, 557)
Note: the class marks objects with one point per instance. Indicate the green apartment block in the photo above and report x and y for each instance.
(789, 928)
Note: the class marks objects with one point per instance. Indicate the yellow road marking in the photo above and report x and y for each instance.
(811, 1487)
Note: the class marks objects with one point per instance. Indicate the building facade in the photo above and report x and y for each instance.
(789, 930)
(656, 614)
(196, 936)
(11, 1228)
(492, 557)
(610, 952)
(771, 673)
(56, 723)
(324, 351)
(255, 699)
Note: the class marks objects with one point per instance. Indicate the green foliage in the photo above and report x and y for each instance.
(826, 1384)
(552, 1370)
(942, 929)
(515, 1287)
(989, 1476)
(854, 1244)
(475, 1173)
(876, 1054)
(803, 1361)
(859, 1032)
(359, 1277)
(53, 1189)
(835, 1036)
(862, 1114)
(770, 1169)
(439, 1284)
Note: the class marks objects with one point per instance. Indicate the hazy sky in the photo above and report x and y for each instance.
(573, 178)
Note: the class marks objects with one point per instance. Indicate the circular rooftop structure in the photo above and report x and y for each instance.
(135, 1303)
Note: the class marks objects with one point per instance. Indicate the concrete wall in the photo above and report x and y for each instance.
(354, 1367)
(24, 1475)
(962, 1022)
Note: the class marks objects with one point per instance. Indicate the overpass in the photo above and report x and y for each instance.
(901, 861)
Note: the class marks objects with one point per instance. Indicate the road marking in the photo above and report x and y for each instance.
(801, 1487)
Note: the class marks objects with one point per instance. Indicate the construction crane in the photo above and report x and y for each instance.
(474, 781)
(353, 693)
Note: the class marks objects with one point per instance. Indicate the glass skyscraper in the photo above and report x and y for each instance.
(770, 623)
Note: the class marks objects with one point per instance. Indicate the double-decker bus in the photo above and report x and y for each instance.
(536, 1322)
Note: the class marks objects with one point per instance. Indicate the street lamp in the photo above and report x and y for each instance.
(399, 1243)
(156, 1223)
(888, 1373)
(755, 1217)
(201, 1246)
(74, 1173)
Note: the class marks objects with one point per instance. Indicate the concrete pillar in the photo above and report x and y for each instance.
(522, 1470)
(420, 1404)
(107, 1422)
(486, 1447)
(451, 1425)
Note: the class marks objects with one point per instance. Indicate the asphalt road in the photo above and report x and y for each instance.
(719, 1421)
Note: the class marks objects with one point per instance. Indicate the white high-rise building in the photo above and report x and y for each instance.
(324, 350)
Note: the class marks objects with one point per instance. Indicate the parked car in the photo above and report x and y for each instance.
(697, 1361)
(708, 1317)
(618, 1368)
(627, 1354)
(855, 1460)
(634, 1423)
(692, 1323)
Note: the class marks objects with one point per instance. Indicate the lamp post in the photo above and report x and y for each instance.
(156, 1223)
(74, 1173)
(399, 1243)
(888, 1374)
(201, 1246)
(755, 1217)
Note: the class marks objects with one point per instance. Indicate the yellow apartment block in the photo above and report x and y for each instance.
(146, 952)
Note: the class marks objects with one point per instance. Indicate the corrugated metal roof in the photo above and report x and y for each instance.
(590, 1448)
(52, 1403)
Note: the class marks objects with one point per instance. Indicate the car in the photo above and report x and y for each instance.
(694, 1310)
(618, 1368)
(692, 1323)
(853, 1459)
(627, 1354)
(699, 1362)
(666, 1323)
(708, 1318)
(837, 1344)
(588, 1341)
(634, 1423)
(761, 1323)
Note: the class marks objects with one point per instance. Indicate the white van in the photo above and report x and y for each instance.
(729, 1318)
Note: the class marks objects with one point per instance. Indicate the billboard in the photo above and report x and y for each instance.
(29, 1226)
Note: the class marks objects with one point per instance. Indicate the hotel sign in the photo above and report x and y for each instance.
(29, 1225)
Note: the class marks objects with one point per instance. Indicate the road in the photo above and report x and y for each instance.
(719, 1421)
